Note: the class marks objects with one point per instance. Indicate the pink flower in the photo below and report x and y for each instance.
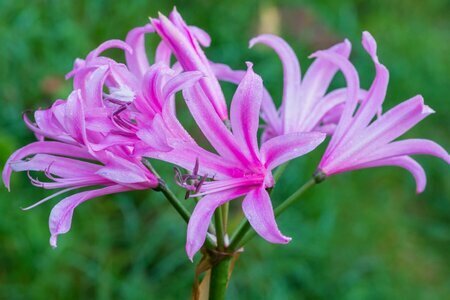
(240, 167)
(93, 134)
(306, 105)
(70, 163)
(185, 43)
(358, 142)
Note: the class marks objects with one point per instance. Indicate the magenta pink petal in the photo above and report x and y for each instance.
(258, 210)
(283, 148)
(292, 75)
(137, 60)
(61, 216)
(202, 215)
(405, 162)
(244, 113)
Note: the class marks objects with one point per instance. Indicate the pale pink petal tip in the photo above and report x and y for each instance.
(427, 110)
(53, 241)
(369, 44)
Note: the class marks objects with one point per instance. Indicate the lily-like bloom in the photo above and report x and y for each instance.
(306, 105)
(71, 164)
(240, 167)
(185, 44)
(358, 142)
(89, 139)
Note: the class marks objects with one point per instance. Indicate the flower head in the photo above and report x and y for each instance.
(88, 140)
(358, 142)
(240, 167)
(306, 104)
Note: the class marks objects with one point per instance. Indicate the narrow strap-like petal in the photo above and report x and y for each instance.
(291, 77)
(377, 92)
(258, 210)
(328, 103)
(43, 147)
(57, 165)
(137, 60)
(281, 149)
(108, 45)
(317, 79)
(396, 121)
(405, 162)
(269, 112)
(61, 215)
(351, 76)
(191, 57)
(202, 215)
(211, 125)
(410, 147)
(244, 113)
(180, 82)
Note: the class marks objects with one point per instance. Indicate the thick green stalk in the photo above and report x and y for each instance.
(218, 222)
(219, 279)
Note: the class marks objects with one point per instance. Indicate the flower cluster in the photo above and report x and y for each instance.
(121, 113)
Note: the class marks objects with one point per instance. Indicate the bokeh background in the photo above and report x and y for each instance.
(362, 235)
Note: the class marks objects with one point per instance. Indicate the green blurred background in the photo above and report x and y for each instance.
(361, 235)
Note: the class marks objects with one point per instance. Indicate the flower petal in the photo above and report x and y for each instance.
(258, 210)
(137, 60)
(409, 147)
(291, 76)
(318, 78)
(269, 112)
(211, 125)
(61, 215)
(42, 147)
(202, 215)
(283, 148)
(244, 113)
(405, 162)
(377, 92)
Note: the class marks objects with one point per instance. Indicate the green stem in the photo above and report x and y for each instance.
(241, 237)
(170, 196)
(225, 210)
(219, 279)
(294, 197)
(218, 222)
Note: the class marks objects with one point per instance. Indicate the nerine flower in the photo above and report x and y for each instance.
(88, 140)
(185, 43)
(240, 167)
(306, 104)
(358, 142)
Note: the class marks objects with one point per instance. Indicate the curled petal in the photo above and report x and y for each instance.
(291, 77)
(351, 76)
(377, 92)
(56, 148)
(258, 210)
(410, 147)
(180, 82)
(61, 215)
(405, 162)
(318, 78)
(108, 45)
(137, 60)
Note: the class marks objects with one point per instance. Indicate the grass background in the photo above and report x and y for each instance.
(361, 235)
